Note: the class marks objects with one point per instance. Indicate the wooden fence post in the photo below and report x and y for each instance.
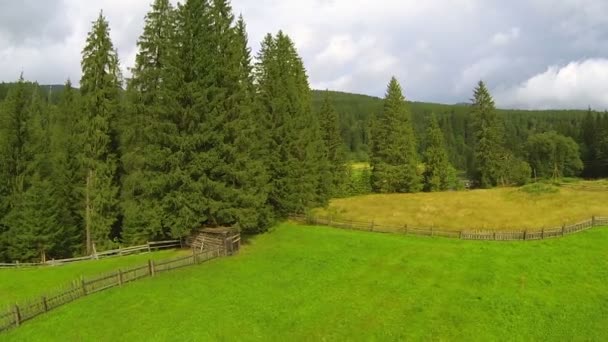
(405, 229)
(542, 234)
(525, 235)
(17, 314)
(372, 226)
(151, 270)
(149, 248)
(45, 305)
(120, 277)
(593, 221)
(83, 286)
(564, 229)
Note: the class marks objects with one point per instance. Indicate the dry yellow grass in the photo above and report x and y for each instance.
(496, 209)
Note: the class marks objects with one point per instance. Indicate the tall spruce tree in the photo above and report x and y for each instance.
(14, 158)
(67, 171)
(438, 171)
(150, 128)
(394, 155)
(489, 137)
(100, 88)
(296, 156)
(334, 145)
(233, 180)
(35, 229)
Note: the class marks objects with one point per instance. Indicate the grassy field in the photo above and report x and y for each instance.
(18, 284)
(496, 209)
(310, 283)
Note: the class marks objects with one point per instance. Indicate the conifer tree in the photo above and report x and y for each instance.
(33, 221)
(15, 135)
(150, 128)
(394, 156)
(100, 87)
(334, 144)
(296, 156)
(489, 137)
(67, 171)
(438, 170)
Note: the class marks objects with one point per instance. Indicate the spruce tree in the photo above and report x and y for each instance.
(100, 88)
(67, 171)
(34, 228)
(231, 179)
(334, 145)
(489, 137)
(296, 157)
(150, 128)
(438, 170)
(394, 155)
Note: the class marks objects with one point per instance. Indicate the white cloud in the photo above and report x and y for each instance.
(575, 85)
(505, 38)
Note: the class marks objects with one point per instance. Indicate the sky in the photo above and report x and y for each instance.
(532, 54)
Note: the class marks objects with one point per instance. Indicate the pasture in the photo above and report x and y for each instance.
(529, 208)
(18, 284)
(313, 283)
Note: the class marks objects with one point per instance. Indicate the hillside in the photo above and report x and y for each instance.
(309, 283)
(356, 112)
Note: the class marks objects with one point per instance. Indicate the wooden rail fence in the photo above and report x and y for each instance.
(481, 235)
(22, 312)
(148, 247)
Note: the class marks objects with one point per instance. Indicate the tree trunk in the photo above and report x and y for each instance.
(88, 212)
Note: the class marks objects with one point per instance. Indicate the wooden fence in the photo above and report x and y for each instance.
(148, 247)
(22, 312)
(482, 235)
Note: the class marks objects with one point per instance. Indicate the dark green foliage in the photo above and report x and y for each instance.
(149, 132)
(67, 172)
(438, 173)
(334, 145)
(100, 88)
(489, 138)
(394, 157)
(295, 152)
(552, 155)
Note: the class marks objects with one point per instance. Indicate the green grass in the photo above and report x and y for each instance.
(18, 284)
(311, 283)
(533, 207)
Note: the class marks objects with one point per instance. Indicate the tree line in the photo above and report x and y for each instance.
(586, 127)
(398, 167)
(202, 134)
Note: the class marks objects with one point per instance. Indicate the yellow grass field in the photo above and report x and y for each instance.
(496, 209)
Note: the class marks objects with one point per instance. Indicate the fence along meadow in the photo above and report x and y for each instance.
(22, 312)
(483, 235)
(148, 247)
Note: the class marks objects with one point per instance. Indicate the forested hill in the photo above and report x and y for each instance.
(356, 112)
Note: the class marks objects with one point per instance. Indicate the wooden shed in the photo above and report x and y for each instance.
(226, 240)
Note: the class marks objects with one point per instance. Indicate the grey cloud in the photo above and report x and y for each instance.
(438, 49)
(33, 21)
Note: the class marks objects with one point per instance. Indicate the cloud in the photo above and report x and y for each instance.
(438, 49)
(576, 85)
(504, 38)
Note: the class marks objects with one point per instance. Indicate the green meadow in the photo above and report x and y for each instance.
(301, 283)
(28, 283)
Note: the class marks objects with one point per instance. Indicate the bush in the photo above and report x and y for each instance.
(539, 189)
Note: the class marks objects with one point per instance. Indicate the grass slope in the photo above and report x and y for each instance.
(496, 209)
(18, 284)
(310, 283)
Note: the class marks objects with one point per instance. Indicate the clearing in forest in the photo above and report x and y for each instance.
(532, 207)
